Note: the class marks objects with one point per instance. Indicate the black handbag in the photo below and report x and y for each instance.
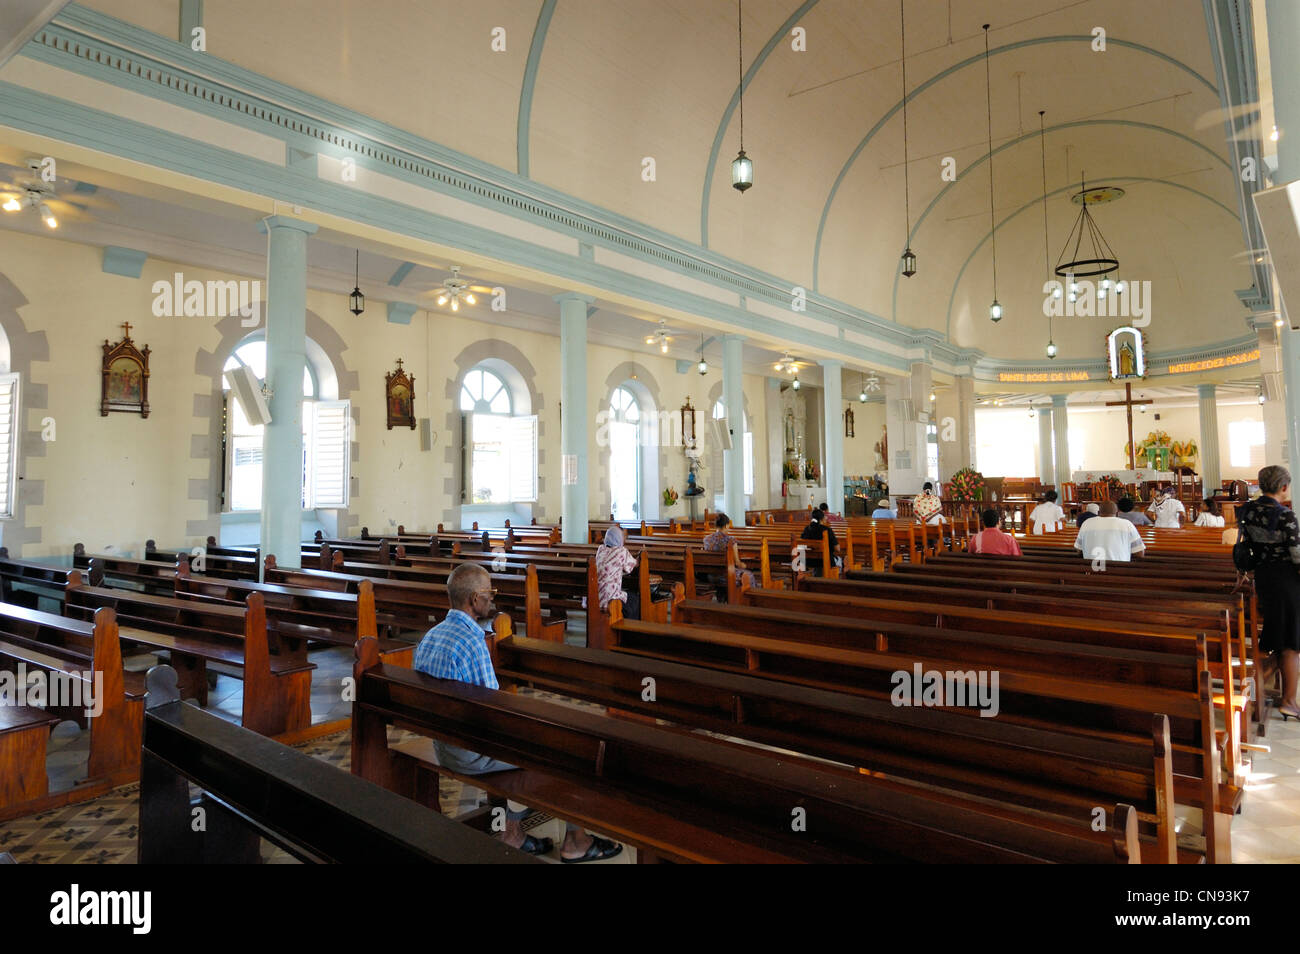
(1247, 556)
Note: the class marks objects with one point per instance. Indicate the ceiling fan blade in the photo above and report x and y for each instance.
(481, 289)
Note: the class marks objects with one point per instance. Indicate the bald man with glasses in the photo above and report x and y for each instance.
(457, 649)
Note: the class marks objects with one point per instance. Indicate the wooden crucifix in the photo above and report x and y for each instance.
(1128, 404)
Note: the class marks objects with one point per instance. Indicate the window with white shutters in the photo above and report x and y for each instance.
(330, 453)
(8, 442)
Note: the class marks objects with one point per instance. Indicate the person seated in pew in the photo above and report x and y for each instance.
(884, 511)
(1109, 537)
(717, 542)
(1047, 517)
(457, 649)
(927, 506)
(1209, 515)
(613, 563)
(1168, 509)
(1086, 514)
(1126, 512)
(991, 539)
(815, 530)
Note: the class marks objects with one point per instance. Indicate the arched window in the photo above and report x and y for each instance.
(325, 437)
(746, 449)
(625, 462)
(500, 444)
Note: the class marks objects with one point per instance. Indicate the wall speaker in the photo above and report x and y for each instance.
(721, 432)
(1272, 386)
(247, 390)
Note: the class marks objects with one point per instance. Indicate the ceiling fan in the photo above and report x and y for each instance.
(788, 365)
(661, 337)
(456, 289)
(32, 192)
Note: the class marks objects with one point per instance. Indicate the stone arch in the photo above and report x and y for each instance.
(656, 441)
(20, 348)
(507, 361)
(323, 342)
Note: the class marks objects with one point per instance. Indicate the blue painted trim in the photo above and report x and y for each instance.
(85, 188)
(1034, 203)
(191, 17)
(286, 222)
(734, 103)
(399, 276)
(127, 262)
(110, 51)
(970, 61)
(400, 312)
(527, 87)
(916, 227)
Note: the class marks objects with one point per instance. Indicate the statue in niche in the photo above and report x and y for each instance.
(882, 449)
(789, 432)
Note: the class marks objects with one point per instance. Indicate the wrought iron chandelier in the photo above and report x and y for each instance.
(1086, 252)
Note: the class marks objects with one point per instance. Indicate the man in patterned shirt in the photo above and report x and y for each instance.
(457, 649)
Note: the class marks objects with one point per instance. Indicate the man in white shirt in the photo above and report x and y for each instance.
(1047, 516)
(1108, 537)
(1169, 510)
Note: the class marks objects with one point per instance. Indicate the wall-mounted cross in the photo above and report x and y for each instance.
(126, 329)
(399, 364)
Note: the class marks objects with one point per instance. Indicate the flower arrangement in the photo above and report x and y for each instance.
(967, 484)
(1114, 486)
(811, 471)
(670, 497)
(789, 471)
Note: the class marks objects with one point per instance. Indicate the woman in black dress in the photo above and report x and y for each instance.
(1269, 522)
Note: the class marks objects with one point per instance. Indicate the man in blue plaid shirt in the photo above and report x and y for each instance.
(457, 649)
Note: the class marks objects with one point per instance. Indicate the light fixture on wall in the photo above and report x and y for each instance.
(1047, 250)
(357, 301)
(995, 309)
(703, 366)
(1261, 396)
(909, 257)
(931, 397)
(742, 167)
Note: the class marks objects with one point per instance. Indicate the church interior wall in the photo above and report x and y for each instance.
(115, 481)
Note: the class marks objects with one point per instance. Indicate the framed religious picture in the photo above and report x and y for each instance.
(848, 421)
(125, 372)
(1126, 351)
(400, 398)
(688, 422)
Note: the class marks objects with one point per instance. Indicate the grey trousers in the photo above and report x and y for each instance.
(465, 762)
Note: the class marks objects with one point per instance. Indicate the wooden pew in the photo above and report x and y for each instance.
(1098, 691)
(711, 801)
(277, 687)
(86, 651)
(231, 563)
(22, 582)
(1046, 769)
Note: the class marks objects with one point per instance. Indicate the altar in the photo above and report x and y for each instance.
(1126, 476)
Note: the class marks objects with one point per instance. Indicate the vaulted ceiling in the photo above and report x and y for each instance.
(586, 90)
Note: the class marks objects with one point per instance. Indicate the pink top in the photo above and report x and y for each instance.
(993, 540)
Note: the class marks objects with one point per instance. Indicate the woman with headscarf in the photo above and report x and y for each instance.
(613, 561)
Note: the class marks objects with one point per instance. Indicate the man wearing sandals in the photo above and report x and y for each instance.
(1269, 523)
(456, 649)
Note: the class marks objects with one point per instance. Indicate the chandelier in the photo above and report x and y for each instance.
(1086, 249)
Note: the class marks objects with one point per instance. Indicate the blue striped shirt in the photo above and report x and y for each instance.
(457, 649)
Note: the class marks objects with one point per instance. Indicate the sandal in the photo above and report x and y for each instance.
(599, 850)
(537, 846)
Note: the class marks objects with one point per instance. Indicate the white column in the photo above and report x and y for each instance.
(286, 358)
(1046, 469)
(573, 416)
(733, 400)
(833, 449)
(1209, 438)
(1274, 410)
(1061, 435)
(775, 420)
